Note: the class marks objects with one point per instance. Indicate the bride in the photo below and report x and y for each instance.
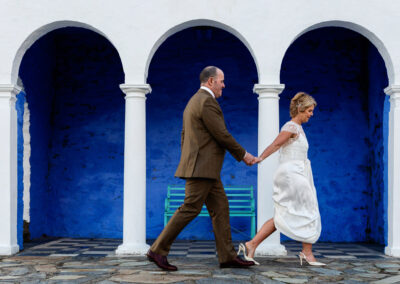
(296, 213)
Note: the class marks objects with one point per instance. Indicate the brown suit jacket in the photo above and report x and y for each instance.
(205, 138)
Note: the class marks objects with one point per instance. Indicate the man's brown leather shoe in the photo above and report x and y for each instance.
(161, 261)
(237, 263)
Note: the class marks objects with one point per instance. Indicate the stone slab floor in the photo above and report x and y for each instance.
(93, 261)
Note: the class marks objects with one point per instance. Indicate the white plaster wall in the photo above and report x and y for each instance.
(137, 28)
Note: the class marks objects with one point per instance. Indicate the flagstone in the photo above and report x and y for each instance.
(31, 282)
(221, 281)
(326, 271)
(66, 277)
(387, 265)
(291, 280)
(265, 280)
(389, 280)
(134, 263)
(19, 271)
(230, 276)
(87, 270)
(2, 265)
(273, 274)
(148, 278)
(131, 271)
(192, 272)
(9, 277)
(372, 275)
(392, 270)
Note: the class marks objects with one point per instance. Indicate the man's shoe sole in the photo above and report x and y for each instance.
(149, 258)
(234, 266)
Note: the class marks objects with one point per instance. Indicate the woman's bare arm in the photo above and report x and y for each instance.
(280, 140)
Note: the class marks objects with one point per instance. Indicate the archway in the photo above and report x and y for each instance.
(348, 135)
(71, 78)
(173, 75)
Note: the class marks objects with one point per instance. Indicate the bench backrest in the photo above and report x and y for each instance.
(240, 198)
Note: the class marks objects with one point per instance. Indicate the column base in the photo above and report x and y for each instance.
(9, 250)
(133, 249)
(271, 249)
(392, 251)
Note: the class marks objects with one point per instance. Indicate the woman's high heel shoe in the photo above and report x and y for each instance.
(242, 247)
(313, 263)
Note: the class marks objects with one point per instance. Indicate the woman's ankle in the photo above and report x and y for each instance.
(249, 245)
(307, 252)
(250, 248)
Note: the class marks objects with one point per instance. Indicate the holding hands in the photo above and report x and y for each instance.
(257, 160)
(250, 160)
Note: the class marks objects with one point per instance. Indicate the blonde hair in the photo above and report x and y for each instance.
(300, 102)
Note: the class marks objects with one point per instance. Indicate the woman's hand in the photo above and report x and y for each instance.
(257, 160)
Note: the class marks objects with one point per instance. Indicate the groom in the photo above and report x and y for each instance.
(204, 141)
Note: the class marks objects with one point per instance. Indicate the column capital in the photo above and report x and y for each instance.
(9, 91)
(135, 90)
(392, 90)
(268, 90)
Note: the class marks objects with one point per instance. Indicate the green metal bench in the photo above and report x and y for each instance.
(241, 203)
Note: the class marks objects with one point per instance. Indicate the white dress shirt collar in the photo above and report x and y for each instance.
(208, 90)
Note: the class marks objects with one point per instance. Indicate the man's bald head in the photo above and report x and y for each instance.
(206, 73)
(213, 78)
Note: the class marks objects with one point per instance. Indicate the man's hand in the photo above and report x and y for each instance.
(248, 159)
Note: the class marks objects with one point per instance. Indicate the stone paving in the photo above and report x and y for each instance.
(128, 269)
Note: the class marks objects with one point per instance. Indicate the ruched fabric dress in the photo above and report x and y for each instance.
(295, 197)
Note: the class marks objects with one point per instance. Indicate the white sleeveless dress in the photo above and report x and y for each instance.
(295, 198)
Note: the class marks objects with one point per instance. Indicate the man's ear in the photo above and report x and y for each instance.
(210, 80)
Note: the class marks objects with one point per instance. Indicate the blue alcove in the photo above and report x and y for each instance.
(174, 78)
(71, 79)
(348, 133)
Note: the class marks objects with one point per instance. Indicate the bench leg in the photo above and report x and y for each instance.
(253, 226)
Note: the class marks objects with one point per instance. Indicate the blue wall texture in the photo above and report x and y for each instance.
(346, 75)
(37, 76)
(71, 78)
(173, 76)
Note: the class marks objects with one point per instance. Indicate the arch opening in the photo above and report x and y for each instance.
(370, 36)
(174, 78)
(348, 134)
(72, 112)
(193, 24)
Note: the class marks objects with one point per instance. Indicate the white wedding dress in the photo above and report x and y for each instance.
(295, 198)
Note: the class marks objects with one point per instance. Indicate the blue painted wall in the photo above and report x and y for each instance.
(36, 73)
(377, 100)
(71, 77)
(173, 76)
(346, 75)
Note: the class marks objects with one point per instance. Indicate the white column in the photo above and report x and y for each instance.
(8, 170)
(134, 231)
(268, 129)
(393, 247)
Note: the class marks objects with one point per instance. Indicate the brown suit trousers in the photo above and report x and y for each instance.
(197, 192)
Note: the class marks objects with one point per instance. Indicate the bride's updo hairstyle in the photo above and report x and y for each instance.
(300, 102)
